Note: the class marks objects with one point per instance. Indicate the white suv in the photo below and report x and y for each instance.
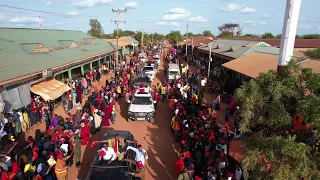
(150, 71)
(141, 106)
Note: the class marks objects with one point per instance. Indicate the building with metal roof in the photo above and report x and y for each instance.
(131, 39)
(29, 56)
(125, 45)
(254, 63)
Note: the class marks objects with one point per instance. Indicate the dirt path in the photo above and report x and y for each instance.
(156, 138)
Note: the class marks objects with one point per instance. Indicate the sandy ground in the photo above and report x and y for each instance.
(155, 138)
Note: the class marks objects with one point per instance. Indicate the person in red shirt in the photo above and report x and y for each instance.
(156, 97)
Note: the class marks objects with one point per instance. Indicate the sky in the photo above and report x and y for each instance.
(161, 16)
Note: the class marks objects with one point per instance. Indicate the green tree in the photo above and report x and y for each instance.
(146, 38)
(267, 105)
(250, 36)
(278, 36)
(207, 33)
(174, 36)
(96, 28)
(230, 29)
(267, 35)
(311, 36)
(314, 54)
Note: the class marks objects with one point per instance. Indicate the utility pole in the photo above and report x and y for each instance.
(289, 31)
(142, 32)
(117, 22)
(40, 22)
(187, 40)
(210, 59)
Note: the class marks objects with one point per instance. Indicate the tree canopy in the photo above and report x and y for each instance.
(96, 28)
(207, 33)
(230, 29)
(174, 36)
(267, 35)
(268, 103)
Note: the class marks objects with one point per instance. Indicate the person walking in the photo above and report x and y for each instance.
(77, 148)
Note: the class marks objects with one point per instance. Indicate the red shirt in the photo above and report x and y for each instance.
(156, 96)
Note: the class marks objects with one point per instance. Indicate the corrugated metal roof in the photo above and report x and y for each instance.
(254, 63)
(122, 42)
(17, 61)
(131, 39)
(239, 48)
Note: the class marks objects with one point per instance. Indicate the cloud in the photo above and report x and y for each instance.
(25, 20)
(73, 14)
(177, 11)
(248, 10)
(89, 3)
(233, 7)
(254, 23)
(265, 16)
(1, 17)
(59, 23)
(198, 19)
(168, 23)
(238, 8)
(175, 14)
(304, 26)
(131, 5)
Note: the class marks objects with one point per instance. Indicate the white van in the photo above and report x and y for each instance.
(141, 106)
(173, 71)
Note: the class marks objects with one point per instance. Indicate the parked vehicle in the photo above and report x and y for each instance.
(173, 71)
(141, 106)
(117, 169)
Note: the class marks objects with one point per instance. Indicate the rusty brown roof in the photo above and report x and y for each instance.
(299, 43)
(255, 63)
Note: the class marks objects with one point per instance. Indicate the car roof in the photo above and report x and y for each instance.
(173, 66)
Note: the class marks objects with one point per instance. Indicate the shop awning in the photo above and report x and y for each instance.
(253, 64)
(235, 150)
(50, 90)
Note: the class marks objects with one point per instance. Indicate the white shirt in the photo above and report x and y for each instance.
(203, 82)
(140, 155)
(20, 116)
(110, 154)
(176, 111)
(238, 174)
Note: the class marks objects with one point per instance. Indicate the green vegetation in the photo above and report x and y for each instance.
(267, 105)
(314, 54)
(174, 36)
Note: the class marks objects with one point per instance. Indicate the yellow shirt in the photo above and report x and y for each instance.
(119, 89)
(25, 117)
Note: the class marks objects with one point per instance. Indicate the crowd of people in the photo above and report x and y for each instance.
(203, 152)
(47, 155)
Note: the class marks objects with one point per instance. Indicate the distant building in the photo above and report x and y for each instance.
(32, 56)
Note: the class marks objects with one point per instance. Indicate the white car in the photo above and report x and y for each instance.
(157, 58)
(141, 106)
(150, 71)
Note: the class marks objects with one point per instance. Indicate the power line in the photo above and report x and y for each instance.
(45, 12)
